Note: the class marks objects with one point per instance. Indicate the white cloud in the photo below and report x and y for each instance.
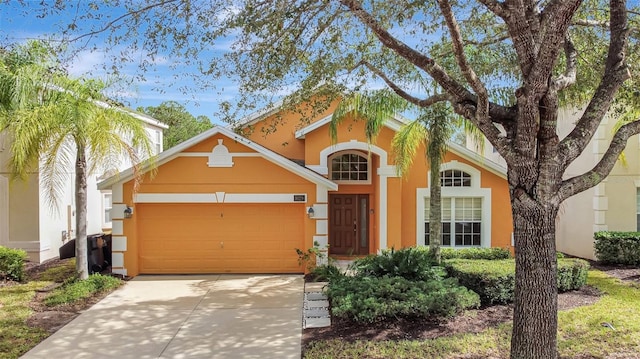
(87, 62)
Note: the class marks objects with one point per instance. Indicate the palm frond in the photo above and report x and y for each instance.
(405, 144)
(375, 108)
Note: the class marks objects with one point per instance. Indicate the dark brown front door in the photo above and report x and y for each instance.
(349, 224)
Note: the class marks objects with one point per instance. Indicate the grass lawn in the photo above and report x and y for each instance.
(581, 333)
(17, 300)
(16, 337)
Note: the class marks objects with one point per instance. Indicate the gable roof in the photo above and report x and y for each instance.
(267, 154)
(395, 123)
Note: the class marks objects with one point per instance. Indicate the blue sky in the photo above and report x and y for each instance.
(162, 83)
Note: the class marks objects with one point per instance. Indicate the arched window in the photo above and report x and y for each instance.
(455, 178)
(466, 208)
(349, 167)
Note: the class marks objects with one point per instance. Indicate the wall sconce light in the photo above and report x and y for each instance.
(128, 212)
(311, 212)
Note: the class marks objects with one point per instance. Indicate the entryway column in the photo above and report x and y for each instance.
(321, 217)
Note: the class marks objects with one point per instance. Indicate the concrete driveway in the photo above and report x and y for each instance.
(207, 316)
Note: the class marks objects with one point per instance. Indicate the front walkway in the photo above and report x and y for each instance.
(207, 316)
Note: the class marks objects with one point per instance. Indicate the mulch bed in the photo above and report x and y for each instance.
(48, 318)
(472, 321)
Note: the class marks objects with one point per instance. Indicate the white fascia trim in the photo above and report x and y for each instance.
(140, 116)
(257, 116)
(269, 155)
(323, 170)
(145, 118)
(218, 198)
(393, 124)
(301, 133)
(453, 192)
(399, 121)
(477, 159)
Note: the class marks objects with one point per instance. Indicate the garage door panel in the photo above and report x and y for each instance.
(220, 238)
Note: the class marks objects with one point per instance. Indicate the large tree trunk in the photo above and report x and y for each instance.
(81, 214)
(535, 318)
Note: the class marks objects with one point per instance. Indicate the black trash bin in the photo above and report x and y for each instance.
(96, 246)
(95, 255)
(106, 250)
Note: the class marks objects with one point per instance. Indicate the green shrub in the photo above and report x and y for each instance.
(572, 274)
(325, 273)
(409, 263)
(617, 247)
(372, 299)
(12, 263)
(75, 290)
(494, 281)
(493, 253)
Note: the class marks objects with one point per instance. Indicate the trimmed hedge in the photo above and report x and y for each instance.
(572, 274)
(373, 299)
(493, 253)
(494, 280)
(409, 263)
(12, 263)
(617, 247)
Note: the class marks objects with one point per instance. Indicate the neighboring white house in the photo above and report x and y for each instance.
(613, 205)
(27, 222)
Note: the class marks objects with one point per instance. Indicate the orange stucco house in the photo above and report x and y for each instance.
(228, 203)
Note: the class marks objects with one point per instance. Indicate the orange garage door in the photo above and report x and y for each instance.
(220, 238)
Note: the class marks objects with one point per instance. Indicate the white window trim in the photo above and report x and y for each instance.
(103, 208)
(384, 171)
(350, 152)
(461, 192)
(455, 165)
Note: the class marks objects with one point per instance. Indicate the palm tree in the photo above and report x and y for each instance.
(428, 129)
(57, 123)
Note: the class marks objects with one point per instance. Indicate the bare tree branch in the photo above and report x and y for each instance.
(464, 102)
(487, 42)
(421, 61)
(482, 107)
(616, 72)
(111, 23)
(496, 7)
(499, 114)
(589, 22)
(570, 72)
(405, 95)
(600, 171)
